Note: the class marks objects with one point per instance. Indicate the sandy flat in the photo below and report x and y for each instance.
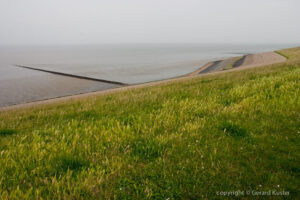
(262, 59)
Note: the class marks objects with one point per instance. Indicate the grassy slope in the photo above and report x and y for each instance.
(183, 140)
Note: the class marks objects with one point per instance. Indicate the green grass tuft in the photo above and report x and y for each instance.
(6, 132)
(65, 162)
(282, 54)
(147, 149)
(233, 129)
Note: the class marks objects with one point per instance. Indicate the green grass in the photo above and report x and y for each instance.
(291, 54)
(185, 139)
(282, 54)
(4, 132)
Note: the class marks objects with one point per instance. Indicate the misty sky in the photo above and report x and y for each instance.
(149, 21)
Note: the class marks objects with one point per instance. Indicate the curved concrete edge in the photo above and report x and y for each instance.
(249, 60)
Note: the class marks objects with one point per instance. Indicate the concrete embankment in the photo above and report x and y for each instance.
(247, 61)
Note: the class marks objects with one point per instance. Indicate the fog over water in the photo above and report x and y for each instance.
(123, 63)
(132, 41)
(143, 21)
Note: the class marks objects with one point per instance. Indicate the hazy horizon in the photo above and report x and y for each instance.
(72, 22)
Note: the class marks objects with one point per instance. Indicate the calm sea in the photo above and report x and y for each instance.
(127, 63)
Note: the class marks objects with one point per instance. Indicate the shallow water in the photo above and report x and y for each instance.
(123, 63)
(22, 85)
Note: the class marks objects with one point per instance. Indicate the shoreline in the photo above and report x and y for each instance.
(73, 75)
(249, 61)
